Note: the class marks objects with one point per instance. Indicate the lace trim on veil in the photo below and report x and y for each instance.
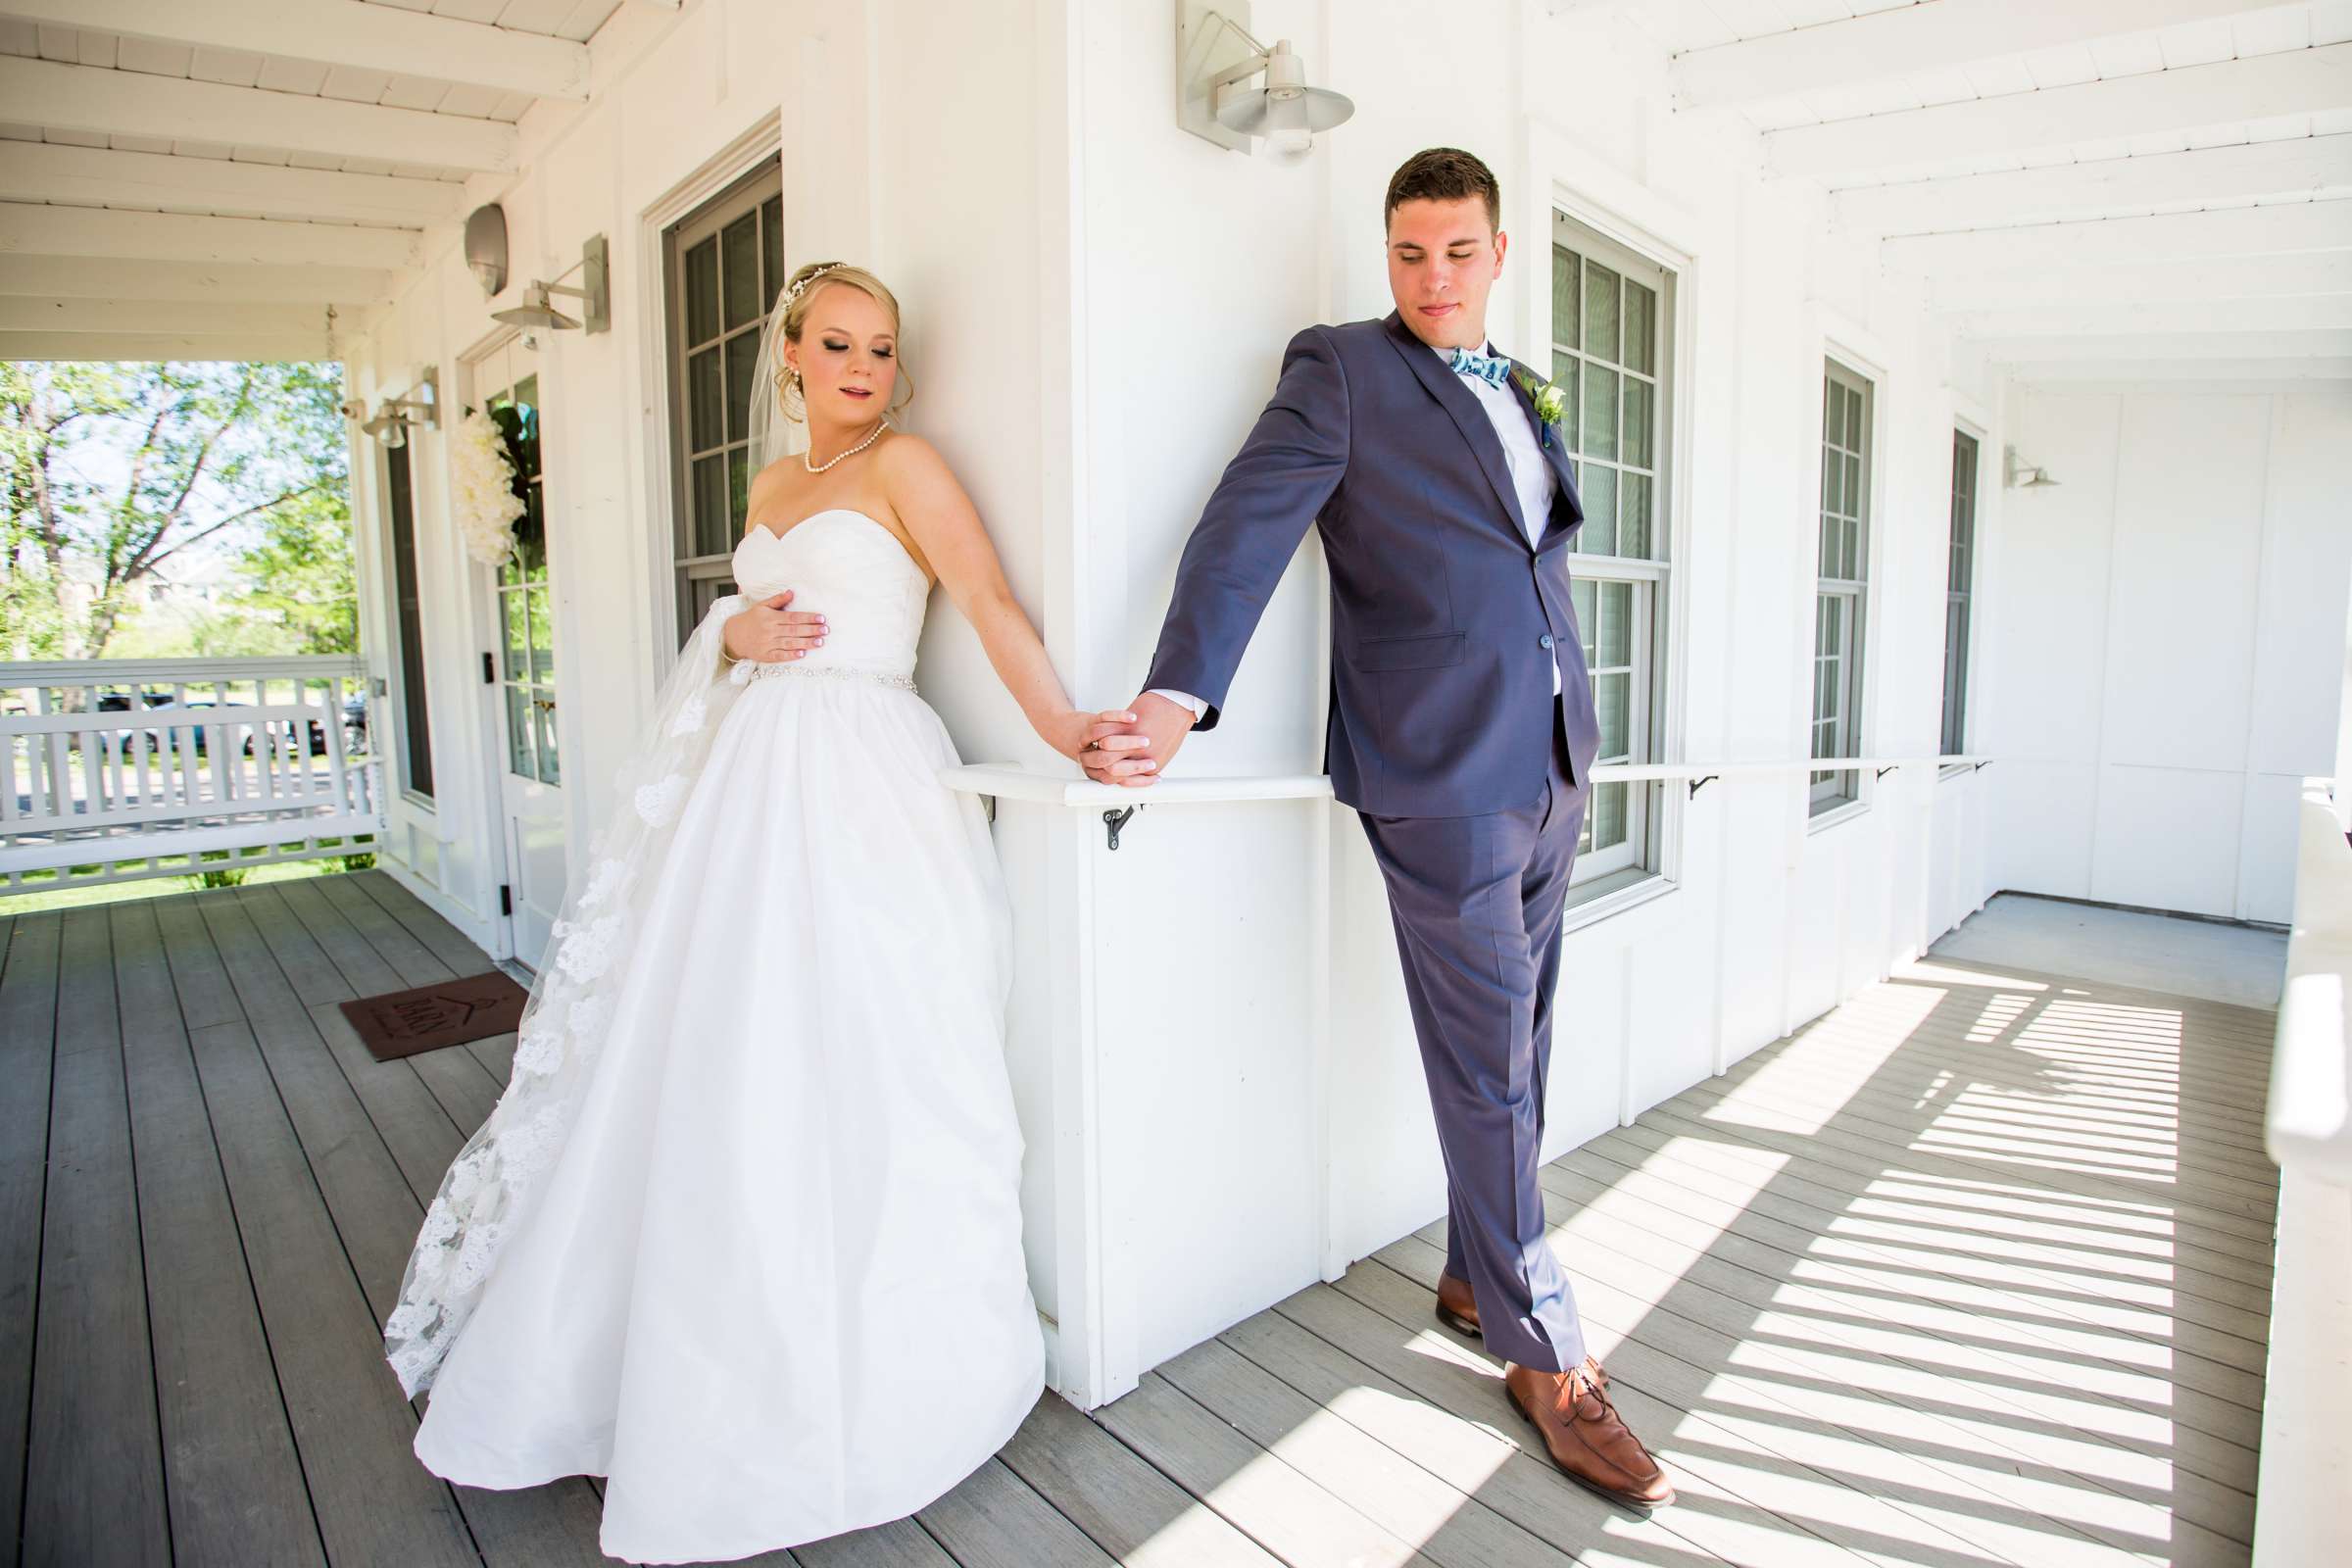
(490, 1188)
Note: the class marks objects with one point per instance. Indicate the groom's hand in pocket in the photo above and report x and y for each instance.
(1163, 725)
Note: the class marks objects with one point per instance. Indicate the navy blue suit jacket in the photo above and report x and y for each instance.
(1445, 622)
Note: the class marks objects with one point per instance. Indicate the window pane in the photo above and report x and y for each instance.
(1640, 328)
(1599, 412)
(704, 429)
(513, 638)
(1601, 312)
(1598, 535)
(1607, 826)
(741, 270)
(1640, 395)
(543, 633)
(741, 348)
(1580, 600)
(1633, 515)
(771, 252)
(712, 534)
(1612, 703)
(1614, 636)
(542, 727)
(1853, 421)
(1564, 293)
(1564, 374)
(739, 489)
(518, 732)
(1853, 550)
(701, 292)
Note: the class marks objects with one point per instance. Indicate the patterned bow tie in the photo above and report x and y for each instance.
(1489, 367)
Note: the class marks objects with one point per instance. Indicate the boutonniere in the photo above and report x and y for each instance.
(1549, 398)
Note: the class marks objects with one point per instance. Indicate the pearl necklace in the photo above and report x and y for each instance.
(819, 468)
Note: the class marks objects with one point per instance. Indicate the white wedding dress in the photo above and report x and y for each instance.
(757, 1255)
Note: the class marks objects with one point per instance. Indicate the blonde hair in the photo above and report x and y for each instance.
(799, 295)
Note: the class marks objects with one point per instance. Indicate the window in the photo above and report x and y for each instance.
(526, 626)
(1611, 312)
(416, 734)
(1958, 577)
(1843, 569)
(725, 267)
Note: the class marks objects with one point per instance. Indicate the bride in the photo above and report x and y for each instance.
(744, 1233)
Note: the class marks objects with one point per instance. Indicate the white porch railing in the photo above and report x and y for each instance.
(117, 769)
(2299, 1514)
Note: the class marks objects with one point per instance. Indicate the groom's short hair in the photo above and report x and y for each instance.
(1444, 175)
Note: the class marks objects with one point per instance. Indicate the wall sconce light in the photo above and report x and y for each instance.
(392, 420)
(2015, 474)
(1212, 103)
(486, 246)
(536, 308)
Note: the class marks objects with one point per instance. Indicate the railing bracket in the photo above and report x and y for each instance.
(1884, 771)
(1115, 820)
(1696, 782)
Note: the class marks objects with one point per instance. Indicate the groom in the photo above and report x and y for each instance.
(1461, 730)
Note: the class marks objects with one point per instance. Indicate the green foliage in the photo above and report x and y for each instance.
(110, 469)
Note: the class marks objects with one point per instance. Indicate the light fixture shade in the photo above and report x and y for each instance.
(534, 311)
(1286, 104)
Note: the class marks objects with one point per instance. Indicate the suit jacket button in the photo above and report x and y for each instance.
(1544, 641)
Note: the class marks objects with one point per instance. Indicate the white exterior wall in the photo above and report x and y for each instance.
(2170, 624)
(1217, 1077)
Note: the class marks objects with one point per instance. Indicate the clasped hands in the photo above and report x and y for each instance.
(1135, 753)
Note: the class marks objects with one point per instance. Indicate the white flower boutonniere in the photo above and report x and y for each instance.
(1550, 398)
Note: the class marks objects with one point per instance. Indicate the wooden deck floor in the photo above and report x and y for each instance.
(1973, 1270)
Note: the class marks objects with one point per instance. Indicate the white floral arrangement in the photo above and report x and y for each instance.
(482, 489)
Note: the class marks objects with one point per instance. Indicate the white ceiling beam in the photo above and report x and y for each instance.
(2113, 241)
(23, 314)
(26, 229)
(2304, 165)
(341, 32)
(106, 277)
(2204, 372)
(2310, 313)
(2126, 348)
(2235, 277)
(105, 102)
(163, 345)
(1918, 37)
(52, 171)
(2298, 81)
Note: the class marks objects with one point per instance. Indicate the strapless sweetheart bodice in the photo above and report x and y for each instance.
(849, 566)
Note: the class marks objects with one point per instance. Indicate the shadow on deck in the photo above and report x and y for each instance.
(1974, 1269)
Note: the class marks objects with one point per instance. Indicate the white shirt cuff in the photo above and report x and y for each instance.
(1186, 700)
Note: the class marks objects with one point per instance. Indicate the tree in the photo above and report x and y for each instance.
(200, 447)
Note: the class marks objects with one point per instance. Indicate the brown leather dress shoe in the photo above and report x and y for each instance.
(1582, 1432)
(1457, 1309)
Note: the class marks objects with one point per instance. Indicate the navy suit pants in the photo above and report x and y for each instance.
(1477, 902)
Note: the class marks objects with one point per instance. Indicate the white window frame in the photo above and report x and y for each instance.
(1647, 579)
(1952, 743)
(1848, 594)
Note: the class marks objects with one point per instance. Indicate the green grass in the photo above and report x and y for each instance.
(220, 870)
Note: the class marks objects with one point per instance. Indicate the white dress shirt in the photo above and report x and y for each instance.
(1531, 476)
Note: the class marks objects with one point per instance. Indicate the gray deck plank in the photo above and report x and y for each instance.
(373, 1501)
(1258, 1492)
(267, 953)
(1129, 1509)
(901, 1543)
(992, 1519)
(94, 1462)
(27, 1045)
(1450, 1524)
(233, 1480)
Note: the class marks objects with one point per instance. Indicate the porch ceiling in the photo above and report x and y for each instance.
(2084, 185)
(237, 179)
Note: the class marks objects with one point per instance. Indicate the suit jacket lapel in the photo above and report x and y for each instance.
(1567, 507)
(1469, 416)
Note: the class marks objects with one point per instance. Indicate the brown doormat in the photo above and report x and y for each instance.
(447, 1012)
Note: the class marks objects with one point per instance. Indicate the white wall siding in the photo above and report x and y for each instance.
(2165, 620)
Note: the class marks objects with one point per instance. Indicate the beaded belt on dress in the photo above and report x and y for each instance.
(749, 670)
